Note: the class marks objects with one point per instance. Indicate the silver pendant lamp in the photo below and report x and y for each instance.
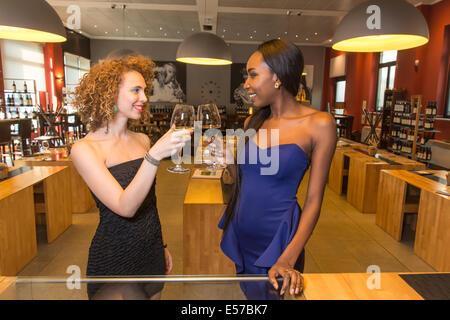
(381, 25)
(204, 48)
(30, 20)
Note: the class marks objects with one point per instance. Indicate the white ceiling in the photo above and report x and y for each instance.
(305, 22)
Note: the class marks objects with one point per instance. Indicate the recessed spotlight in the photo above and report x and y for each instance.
(224, 30)
(106, 32)
(160, 28)
(306, 39)
(251, 37)
(285, 32)
(117, 30)
(95, 26)
(296, 35)
(315, 33)
(267, 34)
(254, 31)
(329, 40)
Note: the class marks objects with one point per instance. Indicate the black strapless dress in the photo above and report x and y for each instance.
(127, 246)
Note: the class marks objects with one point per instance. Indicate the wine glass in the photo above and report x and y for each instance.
(209, 115)
(183, 118)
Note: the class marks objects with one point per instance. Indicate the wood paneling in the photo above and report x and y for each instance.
(391, 197)
(364, 175)
(17, 213)
(82, 199)
(58, 204)
(17, 231)
(204, 204)
(432, 242)
(432, 239)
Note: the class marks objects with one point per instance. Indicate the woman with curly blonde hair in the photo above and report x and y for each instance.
(119, 166)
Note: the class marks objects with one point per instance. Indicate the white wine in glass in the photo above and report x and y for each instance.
(183, 118)
(209, 116)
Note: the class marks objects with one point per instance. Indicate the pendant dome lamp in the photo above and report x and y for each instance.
(204, 48)
(381, 25)
(30, 20)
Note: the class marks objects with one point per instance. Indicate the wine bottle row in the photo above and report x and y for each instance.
(409, 136)
(23, 100)
(405, 107)
(410, 121)
(16, 113)
(25, 87)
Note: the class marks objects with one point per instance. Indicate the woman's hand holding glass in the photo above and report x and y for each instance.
(170, 143)
(183, 118)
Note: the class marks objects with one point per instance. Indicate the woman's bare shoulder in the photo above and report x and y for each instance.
(87, 148)
(322, 119)
(142, 138)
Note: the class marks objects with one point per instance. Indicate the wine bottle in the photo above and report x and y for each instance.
(14, 86)
(21, 100)
(25, 88)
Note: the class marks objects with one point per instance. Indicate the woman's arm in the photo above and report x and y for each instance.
(323, 147)
(94, 172)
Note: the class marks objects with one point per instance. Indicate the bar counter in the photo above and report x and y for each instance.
(317, 286)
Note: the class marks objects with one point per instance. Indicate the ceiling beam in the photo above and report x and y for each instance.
(118, 4)
(241, 10)
(207, 14)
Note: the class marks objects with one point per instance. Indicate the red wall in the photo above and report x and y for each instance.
(361, 83)
(54, 51)
(429, 79)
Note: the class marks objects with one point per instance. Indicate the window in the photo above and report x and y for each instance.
(339, 96)
(74, 69)
(386, 75)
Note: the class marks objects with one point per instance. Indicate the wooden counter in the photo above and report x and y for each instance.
(18, 244)
(317, 286)
(432, 240)
(364, 175)
(204, 205)
(82, 199)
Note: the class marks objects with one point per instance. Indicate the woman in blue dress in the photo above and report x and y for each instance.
(265, 230)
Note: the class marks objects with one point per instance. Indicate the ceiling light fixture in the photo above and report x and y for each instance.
(204, 48)
(30, 20)
(381, 25)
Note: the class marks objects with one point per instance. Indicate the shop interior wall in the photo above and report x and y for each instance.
(429, 79)
(198, 75)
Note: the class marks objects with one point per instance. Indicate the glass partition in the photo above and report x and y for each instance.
(220, 287)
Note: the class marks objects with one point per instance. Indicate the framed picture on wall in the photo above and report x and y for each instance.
(169, 84)
(238, 95)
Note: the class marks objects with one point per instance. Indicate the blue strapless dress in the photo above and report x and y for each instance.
(268, 213)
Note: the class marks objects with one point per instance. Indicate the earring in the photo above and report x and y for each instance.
(115, 109)
(277, 85)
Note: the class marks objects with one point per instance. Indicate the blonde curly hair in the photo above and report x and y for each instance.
(96, 95)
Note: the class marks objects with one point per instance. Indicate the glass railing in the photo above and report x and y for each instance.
(182, 287)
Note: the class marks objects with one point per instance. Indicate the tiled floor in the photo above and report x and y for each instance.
(344, 240)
